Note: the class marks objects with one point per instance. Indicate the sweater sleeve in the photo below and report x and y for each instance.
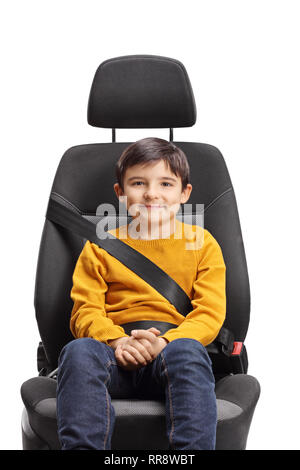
(204, 322)
(88, 316)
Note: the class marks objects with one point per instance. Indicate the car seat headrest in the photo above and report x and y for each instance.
(141, 91)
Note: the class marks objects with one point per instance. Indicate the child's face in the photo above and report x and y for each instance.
(155, 189)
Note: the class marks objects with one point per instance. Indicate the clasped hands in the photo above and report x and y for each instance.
(139, 349)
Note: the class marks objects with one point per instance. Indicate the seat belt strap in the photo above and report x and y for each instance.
(62, 214)
(135, 261)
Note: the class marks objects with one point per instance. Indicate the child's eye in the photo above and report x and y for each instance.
(137, 183)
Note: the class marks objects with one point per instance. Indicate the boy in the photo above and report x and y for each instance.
(103, 361)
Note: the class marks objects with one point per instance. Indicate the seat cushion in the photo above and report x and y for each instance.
(140, 424)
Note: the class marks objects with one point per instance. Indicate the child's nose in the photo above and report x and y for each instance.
(151, 193)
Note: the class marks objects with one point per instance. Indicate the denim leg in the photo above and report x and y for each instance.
(87, 373)
(191, 409)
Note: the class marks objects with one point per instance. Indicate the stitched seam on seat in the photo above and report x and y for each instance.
(230, 417)
(217, 198)
(170, 400)
(68, 202)
(73, 205)
(37, 413)
(231, 402)
(240, 405)
(93, 214)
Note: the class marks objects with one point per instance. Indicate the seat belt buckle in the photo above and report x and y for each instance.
(238, 358)
(237, 348)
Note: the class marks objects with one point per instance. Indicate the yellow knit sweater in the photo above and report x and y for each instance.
(107, 294)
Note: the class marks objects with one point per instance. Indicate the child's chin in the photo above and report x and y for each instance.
(155, 216)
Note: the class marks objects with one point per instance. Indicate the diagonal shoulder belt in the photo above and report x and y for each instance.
(67, 216)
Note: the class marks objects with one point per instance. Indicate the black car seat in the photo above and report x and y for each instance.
(138, 91)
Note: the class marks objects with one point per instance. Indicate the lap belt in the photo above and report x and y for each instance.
(162, 326)
(65, 215)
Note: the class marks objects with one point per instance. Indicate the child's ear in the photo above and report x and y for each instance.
(185, 195)
(118, 190)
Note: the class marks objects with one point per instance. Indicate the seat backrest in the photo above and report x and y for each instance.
(139, 91)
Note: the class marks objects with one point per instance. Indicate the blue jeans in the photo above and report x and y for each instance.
(88, 377)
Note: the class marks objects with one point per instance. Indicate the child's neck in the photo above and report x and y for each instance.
(155, 231)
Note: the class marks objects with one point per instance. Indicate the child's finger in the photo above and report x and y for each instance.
(129, 358)
(119, 356)
(126, 363)
(141, 349)
(126, 359)
(146, 334)
(139, 353)
(154, 330)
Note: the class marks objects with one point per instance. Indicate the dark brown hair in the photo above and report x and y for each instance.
(154, 149)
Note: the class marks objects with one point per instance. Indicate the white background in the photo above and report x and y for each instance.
(242, 58)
